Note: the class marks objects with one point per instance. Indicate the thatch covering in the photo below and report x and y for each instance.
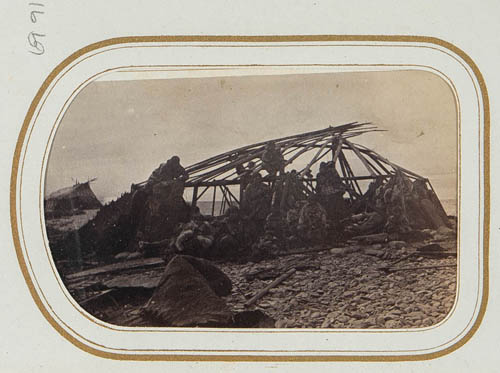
(77, 197)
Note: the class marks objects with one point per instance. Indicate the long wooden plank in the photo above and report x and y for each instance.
(203, 191)
(226, 196)
(223, 204)
(264, 291)
(229, 165)
(117, 267)
(380, 164)
(393, 165)
(343, 129)
(315, 158)
(337, 151)
(232, 195)
(289, 148)
(286, 150)
(349, 129)
(337, 129)
(437, 199)
(361, 157)
(300, 152)
(195, 196)
(213, 200)
(354, 182)
(374, 165)
(346, 176)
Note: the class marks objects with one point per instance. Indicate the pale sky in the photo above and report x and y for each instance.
(120, 131)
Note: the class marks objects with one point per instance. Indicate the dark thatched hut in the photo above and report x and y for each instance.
(77, 197)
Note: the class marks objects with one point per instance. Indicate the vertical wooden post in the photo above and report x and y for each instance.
(337, 151)
(354, 180)
(222, 205)
(241, 190)
(345, 174)
(351, 174)
(225, 200)
(213, 200)
(195, 197)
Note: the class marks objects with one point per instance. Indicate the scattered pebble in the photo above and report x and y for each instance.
(345, 290)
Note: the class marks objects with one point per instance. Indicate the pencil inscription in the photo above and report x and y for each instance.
(35, 45)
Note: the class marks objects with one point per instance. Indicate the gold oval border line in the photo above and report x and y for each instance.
(288, 38)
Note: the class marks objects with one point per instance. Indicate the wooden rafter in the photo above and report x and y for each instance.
(220, 171)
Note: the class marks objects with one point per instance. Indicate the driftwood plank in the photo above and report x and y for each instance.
(423, 267)
(117, 267)
(372, 238)
(306, 251)
(264, 291)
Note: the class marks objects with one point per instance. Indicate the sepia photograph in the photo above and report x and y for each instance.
(258, 198)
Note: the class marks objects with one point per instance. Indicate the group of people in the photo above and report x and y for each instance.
(163, 223)
(202, 236)
(282, 211)
(279, 211)
(274, 212)
(398, 205)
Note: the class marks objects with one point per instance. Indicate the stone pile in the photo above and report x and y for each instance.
(350, 287)
(345, 288)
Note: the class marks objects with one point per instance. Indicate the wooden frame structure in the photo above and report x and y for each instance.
(219, 172)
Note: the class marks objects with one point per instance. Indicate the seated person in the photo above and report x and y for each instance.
(312, 221)
(164, 187)
(366, 223)
(229, 235)
(195, 239)
(170, 170)
(272, 159)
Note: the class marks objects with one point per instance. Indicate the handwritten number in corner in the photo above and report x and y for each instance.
(36, 46)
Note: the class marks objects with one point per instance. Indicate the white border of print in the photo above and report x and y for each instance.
(330, 342)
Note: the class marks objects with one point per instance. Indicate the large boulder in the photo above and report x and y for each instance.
(217, 280)
(186, 295)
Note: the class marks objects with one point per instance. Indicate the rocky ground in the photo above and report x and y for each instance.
(342, 287)
(347, 290)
